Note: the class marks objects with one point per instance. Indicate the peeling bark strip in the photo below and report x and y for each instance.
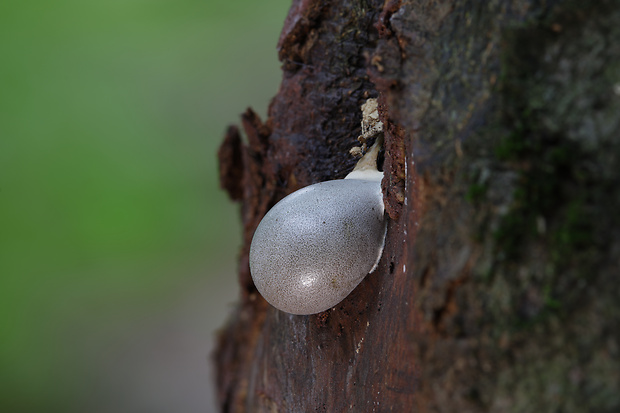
(498, 287)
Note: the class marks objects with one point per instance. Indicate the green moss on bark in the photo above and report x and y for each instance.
(554, 238)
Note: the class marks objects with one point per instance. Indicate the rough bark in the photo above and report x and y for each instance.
(498, 288)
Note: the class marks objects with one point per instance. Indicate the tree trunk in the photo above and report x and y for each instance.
(498, 287)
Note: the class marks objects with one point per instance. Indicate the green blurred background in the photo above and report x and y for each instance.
(117, 247)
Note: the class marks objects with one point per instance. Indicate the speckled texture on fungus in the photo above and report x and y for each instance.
(316, 245)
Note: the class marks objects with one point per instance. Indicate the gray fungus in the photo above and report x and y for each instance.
(317, 244)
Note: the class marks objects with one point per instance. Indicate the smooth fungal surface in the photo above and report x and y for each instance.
(316, 245)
